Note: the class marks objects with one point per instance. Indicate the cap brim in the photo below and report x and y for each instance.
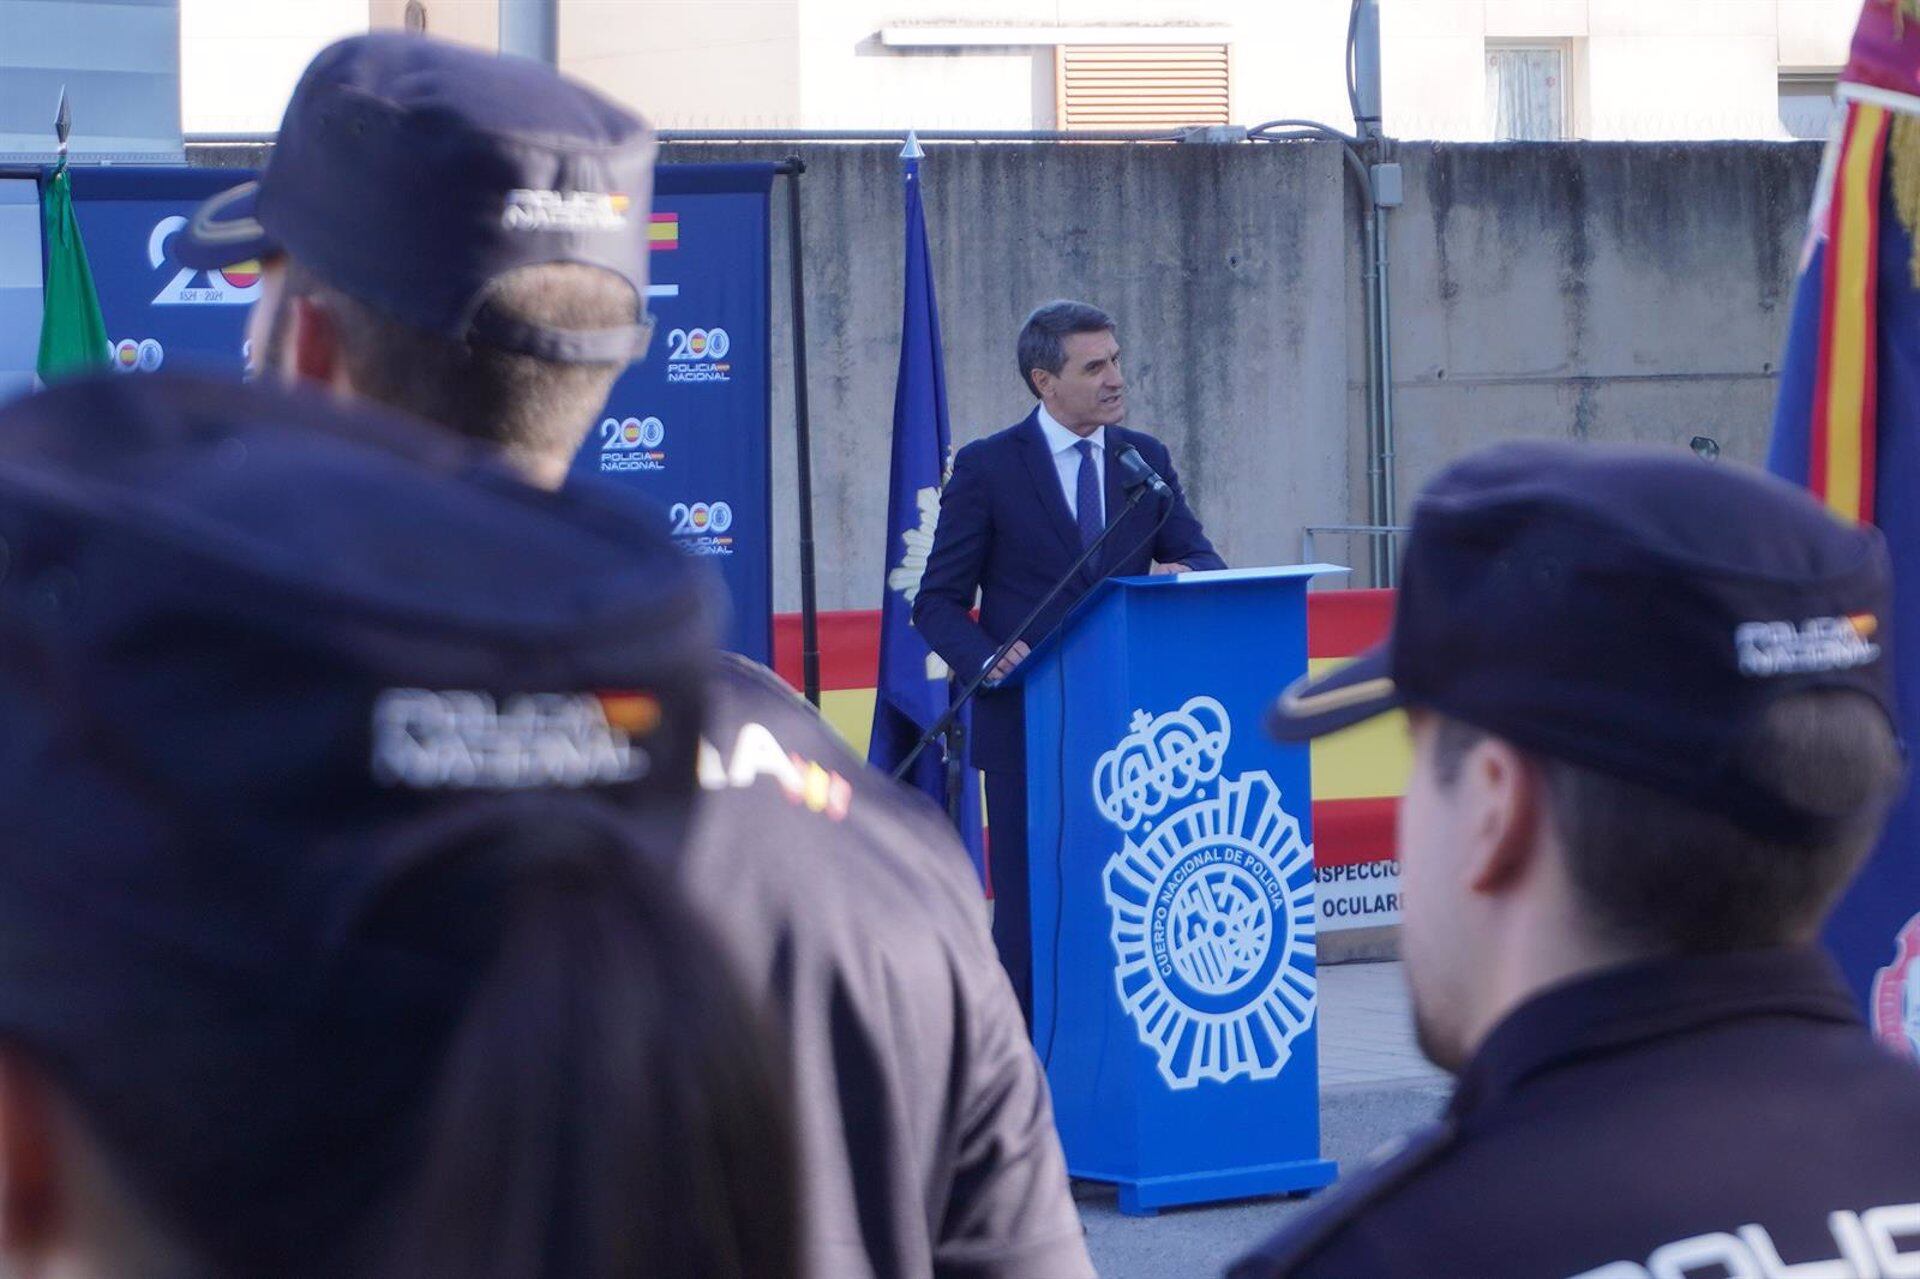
(224, 231)
(1357, 691)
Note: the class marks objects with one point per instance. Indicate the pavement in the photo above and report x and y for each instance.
(1374, 1086)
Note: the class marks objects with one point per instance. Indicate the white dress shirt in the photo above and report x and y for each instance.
(1066, 460)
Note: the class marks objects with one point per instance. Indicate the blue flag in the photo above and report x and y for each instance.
(1847, 426)
(913, 688)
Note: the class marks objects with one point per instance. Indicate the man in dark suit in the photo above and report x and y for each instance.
(1018, 510)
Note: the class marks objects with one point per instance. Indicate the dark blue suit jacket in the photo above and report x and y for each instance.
(1005, 532)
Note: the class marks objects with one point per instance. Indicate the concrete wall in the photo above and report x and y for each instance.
(1226, 268)
(1593, 291)
(1576, 290)
(1604, 292)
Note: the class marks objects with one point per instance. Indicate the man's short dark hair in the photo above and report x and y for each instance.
(1042, 337)
(527, 406)
(1660, 873)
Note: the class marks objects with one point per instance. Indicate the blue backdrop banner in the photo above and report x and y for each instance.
(157, 313)
(690, 427)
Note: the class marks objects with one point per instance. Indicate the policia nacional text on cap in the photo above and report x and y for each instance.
(414, 175)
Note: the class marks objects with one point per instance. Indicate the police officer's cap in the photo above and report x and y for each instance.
(412, 173)
(1628, 609)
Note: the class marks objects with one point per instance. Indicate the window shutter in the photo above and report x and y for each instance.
(1141, 86)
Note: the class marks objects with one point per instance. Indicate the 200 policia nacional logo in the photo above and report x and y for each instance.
(702, 527)
(1212, 902)
(632, 444)
(699, 356)
(237, 285)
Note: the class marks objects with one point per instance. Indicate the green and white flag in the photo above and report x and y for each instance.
(73, 334)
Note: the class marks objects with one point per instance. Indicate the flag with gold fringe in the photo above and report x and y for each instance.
(1847, 426)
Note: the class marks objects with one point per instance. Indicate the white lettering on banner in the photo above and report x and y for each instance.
(701, 527)
(1881, 1243)
(1212, 904)
(632, 444)
(699, 355)
(237, 285)
(1358, 895)
(699, 373)
(465, 740)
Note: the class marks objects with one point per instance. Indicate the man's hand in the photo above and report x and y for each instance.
(1159, 568)
(1014, 657)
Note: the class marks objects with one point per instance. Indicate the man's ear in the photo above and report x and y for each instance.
(315, 342)
(32, 1199)
(1502, 789)
(1042, 381)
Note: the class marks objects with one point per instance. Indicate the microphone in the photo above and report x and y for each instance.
(1135, 474)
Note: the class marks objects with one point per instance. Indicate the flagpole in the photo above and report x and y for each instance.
(954, 741)
(62, 128)
(803, 441)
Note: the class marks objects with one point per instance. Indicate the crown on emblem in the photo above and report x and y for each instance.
(1165, 758)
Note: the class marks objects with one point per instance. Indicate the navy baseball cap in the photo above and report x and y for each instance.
(1627, 609)
(263, 655)
(411, 174)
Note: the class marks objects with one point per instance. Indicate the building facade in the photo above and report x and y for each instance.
(1454, 70)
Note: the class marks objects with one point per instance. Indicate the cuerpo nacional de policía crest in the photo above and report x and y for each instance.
(1212, 900)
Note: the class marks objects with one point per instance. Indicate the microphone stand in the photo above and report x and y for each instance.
(950, 720)
(956, 748)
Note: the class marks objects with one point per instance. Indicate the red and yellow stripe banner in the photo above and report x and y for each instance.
(1841, 467)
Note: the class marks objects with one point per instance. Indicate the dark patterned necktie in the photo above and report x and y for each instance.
(1086, 500)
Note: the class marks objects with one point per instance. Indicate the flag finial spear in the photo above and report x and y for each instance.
(63, 121)
(912, 151)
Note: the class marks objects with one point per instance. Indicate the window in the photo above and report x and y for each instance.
(1807, 107)
(1141, 86)
(1527, 97)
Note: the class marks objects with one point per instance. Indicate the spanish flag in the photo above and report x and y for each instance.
(1847, 426)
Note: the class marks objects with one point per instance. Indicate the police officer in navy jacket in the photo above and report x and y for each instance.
(1652, 740)
(847, 905)
(1018, 510)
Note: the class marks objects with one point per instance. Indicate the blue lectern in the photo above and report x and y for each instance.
(1173, 897)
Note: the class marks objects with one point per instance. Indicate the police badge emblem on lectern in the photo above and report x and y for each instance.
(1212, 900)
